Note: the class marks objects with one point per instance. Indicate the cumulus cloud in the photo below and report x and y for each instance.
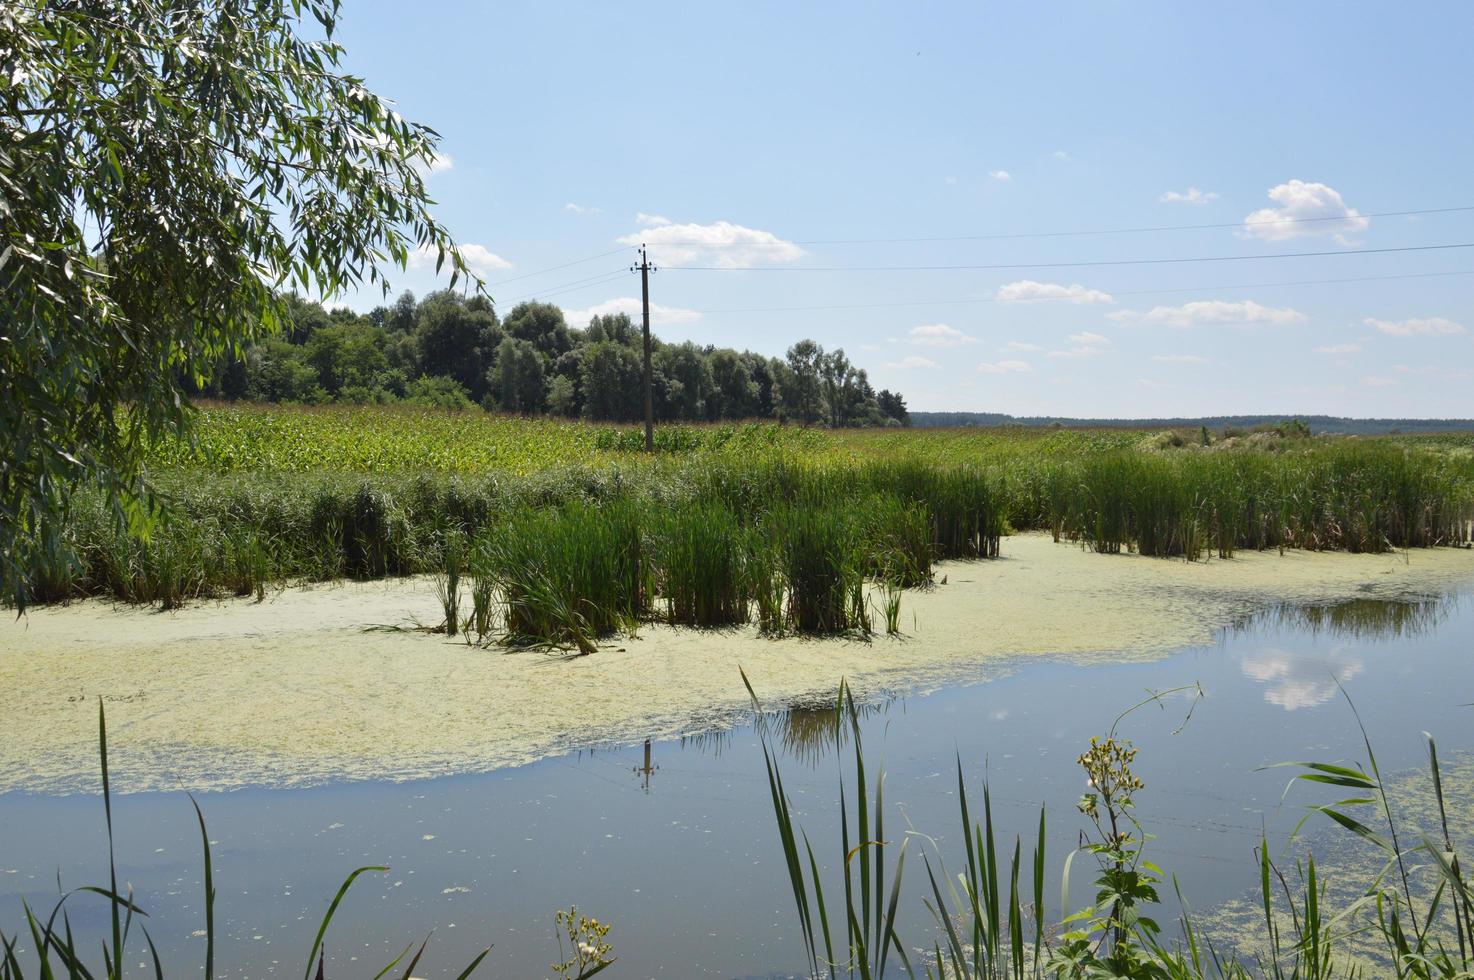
(1209, 311)
(1433, 326)
(722, 244)
(1339, 349)
(650, 220)
(1190, 196)
(1021, 345)
(1000, 175)
(1373, 381)
(481, 260)
(1029, 291)
(1004, 367)
(939, 335)
(659, 315)
(1179, 359)
(914, 361)
(573, 208)
(1083, 344)
(1061, 155)
(1304, 209)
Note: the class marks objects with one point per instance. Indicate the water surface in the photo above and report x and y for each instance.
(674, 841)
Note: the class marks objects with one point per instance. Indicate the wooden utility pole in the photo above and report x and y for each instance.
(645, 268)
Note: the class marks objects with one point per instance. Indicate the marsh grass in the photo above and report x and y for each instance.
(820, 557)
(700, 553)
(571, 575)
(269, 517)
(448, 580)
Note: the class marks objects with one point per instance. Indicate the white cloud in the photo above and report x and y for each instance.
(1339, 349)
(1433, 326)
(1000, 175)
(1179, 359)
(1205, 311)
(439, 164)
(479, 258)
(1021, 345)
(939, 335)
(722, 244)
(1190, 196)
(914, 361)
(1029, 291)
(1371, 381)
(1305, 209)
(1083, 344)
(1004, 367)
(659, 315)
(573, 208)
(1061, 155)
(650, 220)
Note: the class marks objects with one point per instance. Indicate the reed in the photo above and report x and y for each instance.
(819, 555)
(991, 920)
(571, 574)
(700, 554)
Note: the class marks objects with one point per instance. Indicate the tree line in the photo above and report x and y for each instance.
(452, 351)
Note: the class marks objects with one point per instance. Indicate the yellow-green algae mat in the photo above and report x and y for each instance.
(293, 691)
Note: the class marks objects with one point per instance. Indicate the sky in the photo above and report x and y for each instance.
(861, 173)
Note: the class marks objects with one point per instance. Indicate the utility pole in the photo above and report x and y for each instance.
(645, 268)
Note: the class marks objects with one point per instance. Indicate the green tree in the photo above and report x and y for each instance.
(734, 393)
(611, 383)
(428, 392)
(518, 379)
(351, 355)
(456, 339)
(166, 168)
(687, 382)
(276, 371)
(542, 325)
(893, 406)
(802, 393)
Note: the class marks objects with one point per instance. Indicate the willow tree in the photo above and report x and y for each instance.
(167, 169)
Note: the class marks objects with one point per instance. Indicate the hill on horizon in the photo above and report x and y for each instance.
(1330, 424)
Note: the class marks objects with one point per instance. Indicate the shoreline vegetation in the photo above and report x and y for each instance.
(572, 534)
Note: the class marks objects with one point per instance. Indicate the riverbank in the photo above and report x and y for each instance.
(295, 691)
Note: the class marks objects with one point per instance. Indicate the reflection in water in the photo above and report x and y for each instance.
(805, 730)
(1301, 680)
(1361, 619)
(1296, 681)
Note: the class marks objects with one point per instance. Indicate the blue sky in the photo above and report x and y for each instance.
(751, 136)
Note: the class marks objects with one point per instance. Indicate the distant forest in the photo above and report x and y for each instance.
(1329, 424)
(450, 351)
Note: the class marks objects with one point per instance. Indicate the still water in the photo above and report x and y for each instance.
(674, 842)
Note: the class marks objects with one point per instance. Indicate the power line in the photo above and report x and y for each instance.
(1067, 265)
(600, 279)
(1113, 292)
(555, 268)
(1063, 234)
